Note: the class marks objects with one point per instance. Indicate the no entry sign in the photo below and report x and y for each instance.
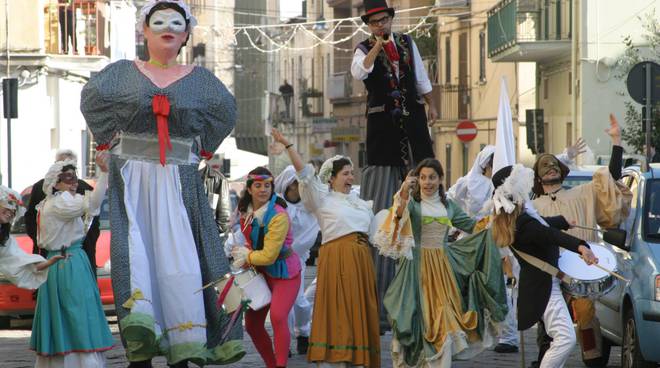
(466, 131)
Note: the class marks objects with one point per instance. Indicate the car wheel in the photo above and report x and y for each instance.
(631, 356)
(5, 323)
(604, 358)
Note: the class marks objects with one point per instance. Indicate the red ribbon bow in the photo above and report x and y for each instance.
(161, 107)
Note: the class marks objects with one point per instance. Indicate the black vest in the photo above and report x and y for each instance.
(385, 133)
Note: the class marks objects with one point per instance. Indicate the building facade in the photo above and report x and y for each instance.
(576, 85)
(467, 85)
(54, 48)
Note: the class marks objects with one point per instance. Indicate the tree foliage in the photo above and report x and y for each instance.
(634, 133)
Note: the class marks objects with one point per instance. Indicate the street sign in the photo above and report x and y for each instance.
(644, 87)
(636, 82)
(535, 130)
(466, 131)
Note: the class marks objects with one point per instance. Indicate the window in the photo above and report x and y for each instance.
(545, 88)
(570, 83)
(482, 56)
(448, 60)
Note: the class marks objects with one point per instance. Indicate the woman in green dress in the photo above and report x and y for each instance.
(446, 298)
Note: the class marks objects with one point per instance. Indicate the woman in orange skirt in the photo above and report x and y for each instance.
(345, 330)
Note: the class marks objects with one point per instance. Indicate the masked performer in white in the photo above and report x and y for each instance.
(602, 202)
(445, 298)
(69, 328)
(345, 321)
(159, 119)
(305, 230)
(27, 271)
(516, 224)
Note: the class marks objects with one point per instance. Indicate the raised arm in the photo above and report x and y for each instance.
(616, 159)
(296, 160)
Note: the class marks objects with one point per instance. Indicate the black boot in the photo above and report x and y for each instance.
(140, 364)
(303, 344)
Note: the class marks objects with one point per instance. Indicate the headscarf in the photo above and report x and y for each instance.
(151, 3)
(286, 178)
(473, 190)
(326, 169)
(10, 199)
(52, 176)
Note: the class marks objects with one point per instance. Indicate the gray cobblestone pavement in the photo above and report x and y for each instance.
(14, 351)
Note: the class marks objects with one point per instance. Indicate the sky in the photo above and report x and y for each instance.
(290, 8)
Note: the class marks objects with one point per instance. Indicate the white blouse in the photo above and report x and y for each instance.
(338, 214)
(19, 267)
(60, 215)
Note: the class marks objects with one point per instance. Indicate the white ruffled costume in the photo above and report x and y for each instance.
(17, 266)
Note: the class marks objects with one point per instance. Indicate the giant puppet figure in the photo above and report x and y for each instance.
(391, 68)
(603, 201)
(159, 119)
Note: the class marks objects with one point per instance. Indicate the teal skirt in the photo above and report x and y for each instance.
(69, 317)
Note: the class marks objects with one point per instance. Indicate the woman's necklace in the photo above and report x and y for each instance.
(158, 64)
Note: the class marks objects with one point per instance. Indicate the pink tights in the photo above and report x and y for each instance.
(284, 295)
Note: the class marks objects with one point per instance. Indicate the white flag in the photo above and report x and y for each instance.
(505, 148)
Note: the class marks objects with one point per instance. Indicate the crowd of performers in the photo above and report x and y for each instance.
(447, 272)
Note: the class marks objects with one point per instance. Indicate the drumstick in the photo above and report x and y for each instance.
(610, 272)
(209, 285)
(588, 228)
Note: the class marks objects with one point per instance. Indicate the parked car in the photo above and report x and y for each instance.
(20, 303)
(630, 314)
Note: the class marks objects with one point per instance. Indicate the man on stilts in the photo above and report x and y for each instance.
(391, 68)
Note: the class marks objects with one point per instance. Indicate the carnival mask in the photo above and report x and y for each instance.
(168, 20)
(546, 164)
(68, 178)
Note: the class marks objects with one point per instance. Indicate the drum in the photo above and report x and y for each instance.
(233, 298)
(255, 288)
(248, 285)
(588, 281)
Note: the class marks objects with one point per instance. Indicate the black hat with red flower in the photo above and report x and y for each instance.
(372, 7)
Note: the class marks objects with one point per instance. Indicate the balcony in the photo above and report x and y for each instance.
(74, 28)
(453, 101)
(529, 30)
(451, 5)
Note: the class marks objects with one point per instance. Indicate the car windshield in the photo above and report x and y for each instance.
(573, 181)
(651, 224)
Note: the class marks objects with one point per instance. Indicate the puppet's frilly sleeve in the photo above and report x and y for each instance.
(99, 103)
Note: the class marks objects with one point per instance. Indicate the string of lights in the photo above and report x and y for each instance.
(327, 39)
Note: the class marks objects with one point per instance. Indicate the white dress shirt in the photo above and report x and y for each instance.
(422, 82)
(338, 214)
(60, 215)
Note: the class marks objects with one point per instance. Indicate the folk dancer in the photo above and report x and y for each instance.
(69, 328)
(517, 225)
(602, 202)
(305, 231)
(345, 327)
(267, 229)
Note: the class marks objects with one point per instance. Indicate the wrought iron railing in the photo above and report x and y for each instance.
(73, 27)
(452, 101)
